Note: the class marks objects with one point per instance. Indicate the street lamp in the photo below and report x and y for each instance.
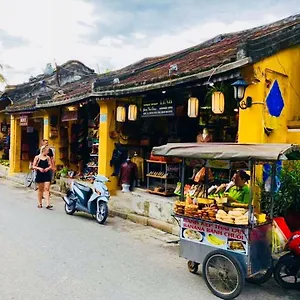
(239, 88)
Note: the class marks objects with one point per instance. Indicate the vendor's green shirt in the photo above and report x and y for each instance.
(241, 195)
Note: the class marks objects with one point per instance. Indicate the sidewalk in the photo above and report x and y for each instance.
(132, 206)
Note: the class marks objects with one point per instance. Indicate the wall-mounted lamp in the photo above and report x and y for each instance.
(193, 107)
(239, 88)
(121, 114)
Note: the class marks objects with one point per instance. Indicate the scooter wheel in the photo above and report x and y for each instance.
(286, 274)
(70, 210)
(102, 213)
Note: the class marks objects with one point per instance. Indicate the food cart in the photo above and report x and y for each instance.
(232, 241)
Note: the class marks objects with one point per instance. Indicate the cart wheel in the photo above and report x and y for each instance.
(261, 277)
(193, 266)
(223, 275)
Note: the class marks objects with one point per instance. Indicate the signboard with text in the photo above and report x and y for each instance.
(24, 120)
(216, 235)
(158, 108)
(69, 115)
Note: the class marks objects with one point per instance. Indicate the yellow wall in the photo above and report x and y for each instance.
(106, 144)
(43, 127)
(285, 68)
(15, 145)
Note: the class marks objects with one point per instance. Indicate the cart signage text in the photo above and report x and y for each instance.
(216, 235)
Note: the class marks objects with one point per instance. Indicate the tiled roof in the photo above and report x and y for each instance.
(45, 92)
(220, 50)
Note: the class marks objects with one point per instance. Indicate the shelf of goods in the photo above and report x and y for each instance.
(165, 173)
(94, 157)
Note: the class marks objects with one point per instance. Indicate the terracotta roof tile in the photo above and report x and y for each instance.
(219, 50)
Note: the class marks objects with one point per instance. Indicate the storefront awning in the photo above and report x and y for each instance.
(233, 152)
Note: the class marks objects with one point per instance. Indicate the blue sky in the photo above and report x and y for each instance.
(109, 34)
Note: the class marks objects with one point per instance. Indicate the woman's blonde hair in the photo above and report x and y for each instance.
(42, 149)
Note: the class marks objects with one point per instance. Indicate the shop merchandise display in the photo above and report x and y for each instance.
(128, 173)
(162, 176)
(139, 161)
(210, 202)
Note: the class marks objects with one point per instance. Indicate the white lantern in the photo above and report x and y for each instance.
(132, 112)
(121, 114)
(218, 102)
(193, 107)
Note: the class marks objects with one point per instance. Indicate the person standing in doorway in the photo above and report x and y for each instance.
(43, 166)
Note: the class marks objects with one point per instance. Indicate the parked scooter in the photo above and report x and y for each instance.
(82, 198)
(287, 269)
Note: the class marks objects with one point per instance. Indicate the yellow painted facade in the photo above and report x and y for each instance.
(285, 68)
(42, 125)
(106, 144)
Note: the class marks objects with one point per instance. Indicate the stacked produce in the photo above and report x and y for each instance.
(191, 210)
(238, 216)
(179, 207)
(208, 213)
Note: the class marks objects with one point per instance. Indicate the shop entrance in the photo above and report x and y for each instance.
(31, 136)
(80, 139)
(163, 124)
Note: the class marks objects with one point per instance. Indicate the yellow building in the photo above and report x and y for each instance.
(267, 58)
(45, 108)
(171, 98)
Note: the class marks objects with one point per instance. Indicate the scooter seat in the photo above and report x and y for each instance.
(87, 191)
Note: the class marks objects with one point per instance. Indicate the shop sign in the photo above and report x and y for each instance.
(69, 116)
(234, 239)
(24, 120)
(158, 108)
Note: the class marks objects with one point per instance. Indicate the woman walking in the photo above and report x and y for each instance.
(43, 166)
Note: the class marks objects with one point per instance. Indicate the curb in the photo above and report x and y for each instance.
(146, 221)
(163, 226)
(142, 220)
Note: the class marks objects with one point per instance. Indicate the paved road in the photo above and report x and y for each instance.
(49, 255)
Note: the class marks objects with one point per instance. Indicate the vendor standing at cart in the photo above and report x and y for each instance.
(240, 192)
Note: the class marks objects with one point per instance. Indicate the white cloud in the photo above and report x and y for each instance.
(53, 31)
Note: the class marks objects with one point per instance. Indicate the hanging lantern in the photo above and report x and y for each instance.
(132, 112)
(121, 114)
(218, 103)
(193, 107)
